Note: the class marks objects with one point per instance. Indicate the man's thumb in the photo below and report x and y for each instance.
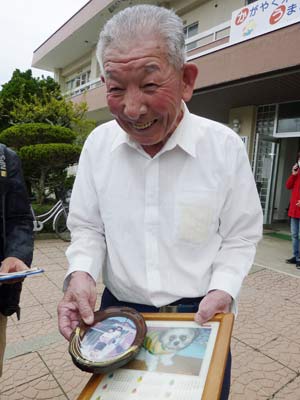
(4, 268)
(86, 311)
(202, 316)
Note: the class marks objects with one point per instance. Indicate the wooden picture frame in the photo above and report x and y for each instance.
(213, 379)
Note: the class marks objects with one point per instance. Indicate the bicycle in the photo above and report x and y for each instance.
(59, 214)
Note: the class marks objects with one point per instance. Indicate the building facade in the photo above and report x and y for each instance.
(248, 57)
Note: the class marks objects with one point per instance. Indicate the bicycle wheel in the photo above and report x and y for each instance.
(60, 226)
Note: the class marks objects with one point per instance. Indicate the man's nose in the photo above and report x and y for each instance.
(134, 105)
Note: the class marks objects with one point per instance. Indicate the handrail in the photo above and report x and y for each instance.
(82, 88)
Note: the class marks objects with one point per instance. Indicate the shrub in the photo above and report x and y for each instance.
(42, 161)
(21, 135)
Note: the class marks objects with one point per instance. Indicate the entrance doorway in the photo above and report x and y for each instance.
(265, 161)
(265, 171)
(273, 163)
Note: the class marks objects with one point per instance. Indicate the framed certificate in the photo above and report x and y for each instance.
(179, 360)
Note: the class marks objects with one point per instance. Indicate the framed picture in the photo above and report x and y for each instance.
(108, 338)
(112, 341)
(179, 360)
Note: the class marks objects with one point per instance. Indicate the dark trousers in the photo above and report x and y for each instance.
(188, 305)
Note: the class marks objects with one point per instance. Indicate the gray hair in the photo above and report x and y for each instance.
(134, 22)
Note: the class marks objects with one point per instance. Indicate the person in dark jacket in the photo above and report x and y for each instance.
(16, 236)
(293, 184)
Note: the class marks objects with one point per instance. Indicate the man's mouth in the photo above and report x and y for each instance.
(144, 125)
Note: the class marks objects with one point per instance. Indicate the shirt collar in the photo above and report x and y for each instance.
(182, 136)
(122, 138)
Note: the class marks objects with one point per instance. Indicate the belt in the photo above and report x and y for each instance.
(182, 306)
(187, 305)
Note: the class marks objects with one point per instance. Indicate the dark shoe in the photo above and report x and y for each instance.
(298, 265)
(291, 260)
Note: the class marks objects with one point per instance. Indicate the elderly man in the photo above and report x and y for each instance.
(16, 235)
(164, 205)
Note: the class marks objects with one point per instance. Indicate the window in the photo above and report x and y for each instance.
(85, 77)
(288, 119)
(223, 33)
(189, 31)
(250, 1)
(78, 80)
(70, 84)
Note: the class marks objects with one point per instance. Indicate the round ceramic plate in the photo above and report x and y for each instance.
(111, 342)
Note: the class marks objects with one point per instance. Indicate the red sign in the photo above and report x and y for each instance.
(277, 14)
(242, 15)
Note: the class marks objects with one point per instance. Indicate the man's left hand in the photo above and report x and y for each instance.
(216, 301)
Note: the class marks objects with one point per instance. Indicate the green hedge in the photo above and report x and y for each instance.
(21, 135)
(52, 155)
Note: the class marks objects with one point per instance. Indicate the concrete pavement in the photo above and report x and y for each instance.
(265, 342)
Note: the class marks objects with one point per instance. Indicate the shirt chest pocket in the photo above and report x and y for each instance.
(196, 217)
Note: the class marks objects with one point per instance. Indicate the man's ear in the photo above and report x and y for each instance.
(102, 78)
(189, 75)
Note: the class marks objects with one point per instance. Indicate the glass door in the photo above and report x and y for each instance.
(265, 161)
(265, 175)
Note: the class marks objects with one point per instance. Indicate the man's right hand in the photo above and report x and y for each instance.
(78, 303)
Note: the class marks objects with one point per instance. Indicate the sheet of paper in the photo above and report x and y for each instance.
(128, 384)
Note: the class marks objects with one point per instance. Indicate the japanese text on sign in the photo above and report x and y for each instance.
(261, 17)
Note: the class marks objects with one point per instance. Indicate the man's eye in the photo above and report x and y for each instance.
(114, 90)
(151, 86)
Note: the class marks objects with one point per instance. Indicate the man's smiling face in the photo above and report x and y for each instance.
(144, 92)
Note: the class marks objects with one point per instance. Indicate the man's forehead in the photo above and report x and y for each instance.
(112, 67)
(146, 51)
(152, 67)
